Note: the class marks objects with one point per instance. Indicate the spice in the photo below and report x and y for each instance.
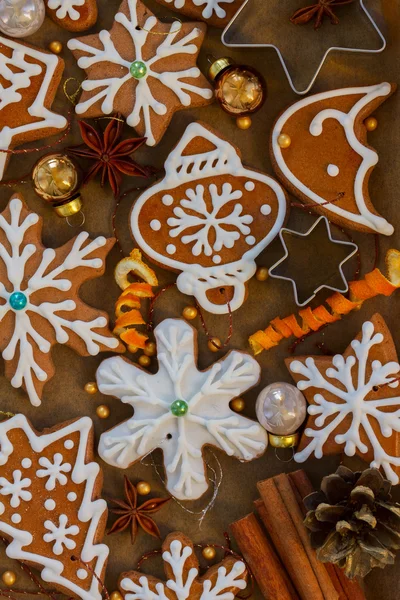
(318, 11)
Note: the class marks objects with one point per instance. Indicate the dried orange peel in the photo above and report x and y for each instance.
(374, 284)
(127, 307)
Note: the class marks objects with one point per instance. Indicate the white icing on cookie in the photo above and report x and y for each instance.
(155, 225)
(60, 533)
(17, 488)
(250, 240)
(72, 496)
(68, 444)
(26, 463)
(50, 505)
(333, 170)
(54, 471)
(171, 249)
(16, 518)
(211, 7)
(66, 8)
(82, 574)
(265, 210)
(249, 186)
(167, 200)
(217, 259)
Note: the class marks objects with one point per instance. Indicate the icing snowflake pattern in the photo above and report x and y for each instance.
(54, 471)
(27, 344)
(354, 402)
(180, 410)
(66, 8)
(145, 100)
(210, 7)
(16, 489)
(59, 535)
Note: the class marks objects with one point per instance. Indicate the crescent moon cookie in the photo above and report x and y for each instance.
(328, 161)
(74, 15)
(209, 218)
(213, 12)
(143, 76)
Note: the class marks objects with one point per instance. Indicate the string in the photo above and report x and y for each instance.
(230, 329)
(150, 322)
(72, 97)
(176, 20)
(92, 571)
(114, 214)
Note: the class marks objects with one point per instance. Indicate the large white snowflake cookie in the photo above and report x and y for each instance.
(354, 400)
(220, 582)
(213, 12)
(209, 218)
(142, 68)
(39, 302)
(180, 410)
(50, 510)
(74, 15)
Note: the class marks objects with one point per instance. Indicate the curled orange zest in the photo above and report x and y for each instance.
(373, 284)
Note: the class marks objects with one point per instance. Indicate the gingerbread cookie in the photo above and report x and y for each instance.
(50, 506)
(180, 410)
(74, 15)
(182, 569)
(212, 217)
(144, 77)
(40, 304)
(29, 81)
(328, 162)
(354, 400)
(213, 12)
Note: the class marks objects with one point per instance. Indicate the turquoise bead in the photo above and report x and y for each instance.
(138, 69)
(179, 408)
(18, 300)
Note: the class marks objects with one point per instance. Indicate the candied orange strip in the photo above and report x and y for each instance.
(134, 340)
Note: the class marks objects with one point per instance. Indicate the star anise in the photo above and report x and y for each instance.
(134, 516)
(318, 11)
(111, 155)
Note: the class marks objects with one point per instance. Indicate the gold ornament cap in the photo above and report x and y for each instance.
(219, 65)
(283, 441)
(73, 207)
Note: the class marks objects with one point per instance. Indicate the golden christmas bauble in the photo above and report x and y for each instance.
(371, 123)
(102, 411)
(262, 274)
(284, 140)
(91, 388)
(209, 553)
(214, 344)
(143, 488)
(283, 441)
(56, 179)
(116, 596)
(56, 47)
(9, 578)
(144, 361)
(150, 349)
(238, 404)
(244, 122)
(189, 313)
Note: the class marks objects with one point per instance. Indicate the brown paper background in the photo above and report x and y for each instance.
(64, 397)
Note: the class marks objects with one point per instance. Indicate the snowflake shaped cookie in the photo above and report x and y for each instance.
(74, 15)
(180, 410)
(354, 401)
(213, 12)
(144, 77)
(220, 582)
(47, 527)
(29, 81)
(39, 298)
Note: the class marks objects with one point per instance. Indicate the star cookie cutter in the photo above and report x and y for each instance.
(298, 234)
(333, 48)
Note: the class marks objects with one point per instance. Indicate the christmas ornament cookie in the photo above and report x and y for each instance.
(40, 303)
(145, 77)
(213, 12)
(319, 151)
(50, 510)
(212, 217)
(354, 400)
(180, 410)
(74, 15)
(223, 581)
(30, 79)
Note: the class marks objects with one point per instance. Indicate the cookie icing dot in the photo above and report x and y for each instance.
(138, 69)
(155, 225)
(49, 504)
(26, 463)
(167, 200)
(72, 496)
(217, 259)
(333, 170)
(249, 186)
(82, 574)
(18, 301)
(171, 249)
(265, 209)
(16, 518)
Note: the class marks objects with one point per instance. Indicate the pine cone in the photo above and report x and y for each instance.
(353, 522)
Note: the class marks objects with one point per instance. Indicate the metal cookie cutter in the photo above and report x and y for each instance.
(353, 248)
(287, 67)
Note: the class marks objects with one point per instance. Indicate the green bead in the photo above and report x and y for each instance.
(179, 408)
(138, 69)
(18, 300)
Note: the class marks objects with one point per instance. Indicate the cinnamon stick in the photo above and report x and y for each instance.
(266, 567)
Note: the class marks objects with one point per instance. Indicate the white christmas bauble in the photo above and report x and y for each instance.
(20, 18)
(281, 408)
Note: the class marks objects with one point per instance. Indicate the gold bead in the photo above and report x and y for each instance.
(284, 140)
(144, 361)
(209, 553)
(262, 274)
(150, 349)
(56, 47)
(91, 388)
(143, 488)
(214, 344)
(116, 596)
(243, 122)
(283, 441)
(238, 405)
(9, 578)
(102, 411)
(189, 313)
(371, 123)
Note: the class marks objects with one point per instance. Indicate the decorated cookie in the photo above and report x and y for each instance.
(50, 510)
(209, 218)
(74, 15)
(143, 76)
(214, 12)
(326, 161)
(181, 567)
(180, 410)
(29, 81)
(354, 401)
(40, 304)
